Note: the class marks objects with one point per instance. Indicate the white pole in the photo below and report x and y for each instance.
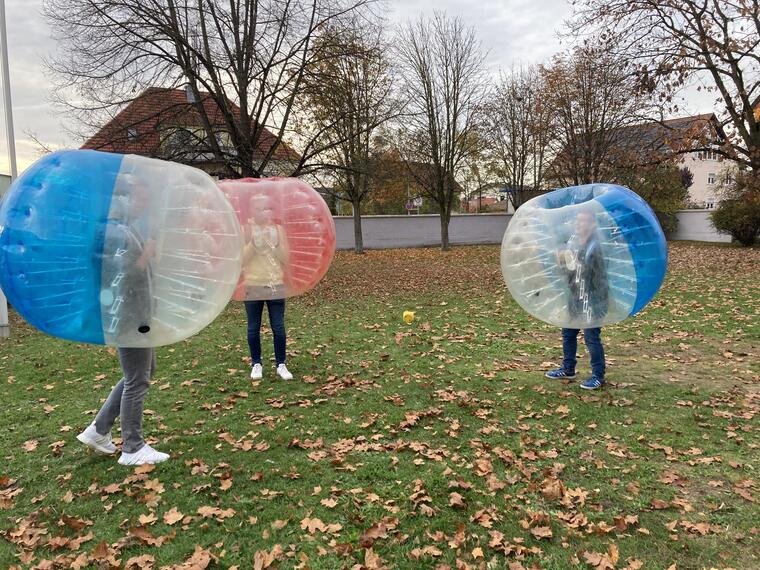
(5, 330)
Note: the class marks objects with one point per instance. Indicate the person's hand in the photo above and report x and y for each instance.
(561, 257)
(149, 251)
(567, 259)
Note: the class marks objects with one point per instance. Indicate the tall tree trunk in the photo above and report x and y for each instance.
(754, 159)
(358, 240)
(445, 217)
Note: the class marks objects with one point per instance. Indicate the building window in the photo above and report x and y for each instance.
(711, 178)
(131, 133)
(710, 203)
(181, 138)
(222, 139)
(709, 155)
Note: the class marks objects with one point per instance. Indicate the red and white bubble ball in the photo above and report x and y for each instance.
(289, 236)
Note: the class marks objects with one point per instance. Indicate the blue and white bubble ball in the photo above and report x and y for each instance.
(117, 249)
(584, 256)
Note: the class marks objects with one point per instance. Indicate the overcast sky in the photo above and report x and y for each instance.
(512, 31)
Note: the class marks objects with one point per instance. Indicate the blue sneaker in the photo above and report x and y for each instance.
(559, 374)
(593, 383)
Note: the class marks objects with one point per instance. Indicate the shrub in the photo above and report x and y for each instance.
(738, 214)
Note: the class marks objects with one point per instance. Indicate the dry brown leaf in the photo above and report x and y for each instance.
(552, 489)
(372, 534)
(74, 523)
(541, 532)
(148, 519)
(215, 513)
(313, 525)
(456, 500)
(600, 561)
(329, 503)
(660, 504)
(144, 562)
(199, 560)
(172, 516)
(372, 560)
(101, 551)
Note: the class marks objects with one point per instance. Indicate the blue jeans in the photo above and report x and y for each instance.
(594, 345)
(276, 309)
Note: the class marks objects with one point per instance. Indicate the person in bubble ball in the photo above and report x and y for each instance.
(264, 258)
(131, 309)
(588, 290)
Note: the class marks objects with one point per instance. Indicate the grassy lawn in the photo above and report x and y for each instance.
(432, 445)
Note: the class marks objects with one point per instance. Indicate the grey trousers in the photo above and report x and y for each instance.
(127, 397)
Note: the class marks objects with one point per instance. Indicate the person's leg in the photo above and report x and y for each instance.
(110, 410)
(276, 308)
(253, 310)
(97, 435)
(593, 340)
(569, 349)
(137, 364)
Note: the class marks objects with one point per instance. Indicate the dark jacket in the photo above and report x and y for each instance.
(589, 288)
(129, 285)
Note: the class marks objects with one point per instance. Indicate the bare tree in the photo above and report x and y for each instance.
(473, 183)
(444, 88)
(41, 148)
(674, 42)
(592, 99)
(248, 57)
(349, 95)
(519, 130)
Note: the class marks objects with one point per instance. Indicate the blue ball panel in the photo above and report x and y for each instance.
(646, 241)
(50, 265)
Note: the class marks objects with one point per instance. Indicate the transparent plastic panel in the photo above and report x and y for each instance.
(171, 255)
(289, 236)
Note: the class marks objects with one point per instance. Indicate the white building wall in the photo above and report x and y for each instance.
(704, 192)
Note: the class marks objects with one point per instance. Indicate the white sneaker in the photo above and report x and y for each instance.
(256, 372)
(283, 372)
(146, 454)
(100, 443)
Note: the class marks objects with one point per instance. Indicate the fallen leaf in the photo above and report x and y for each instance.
(456, 500)
(541, 532)
(172, 516)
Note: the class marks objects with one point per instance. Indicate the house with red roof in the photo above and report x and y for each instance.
(168, 124)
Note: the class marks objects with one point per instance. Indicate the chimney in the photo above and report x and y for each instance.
(189, 94)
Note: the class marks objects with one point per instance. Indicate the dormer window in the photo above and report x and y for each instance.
(181, 138)
(222, 139)
(709, 155)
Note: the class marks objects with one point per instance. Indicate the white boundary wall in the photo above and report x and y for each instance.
(388, 232)
(695, 225)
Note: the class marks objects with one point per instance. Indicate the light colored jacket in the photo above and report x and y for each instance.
(264, 256)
